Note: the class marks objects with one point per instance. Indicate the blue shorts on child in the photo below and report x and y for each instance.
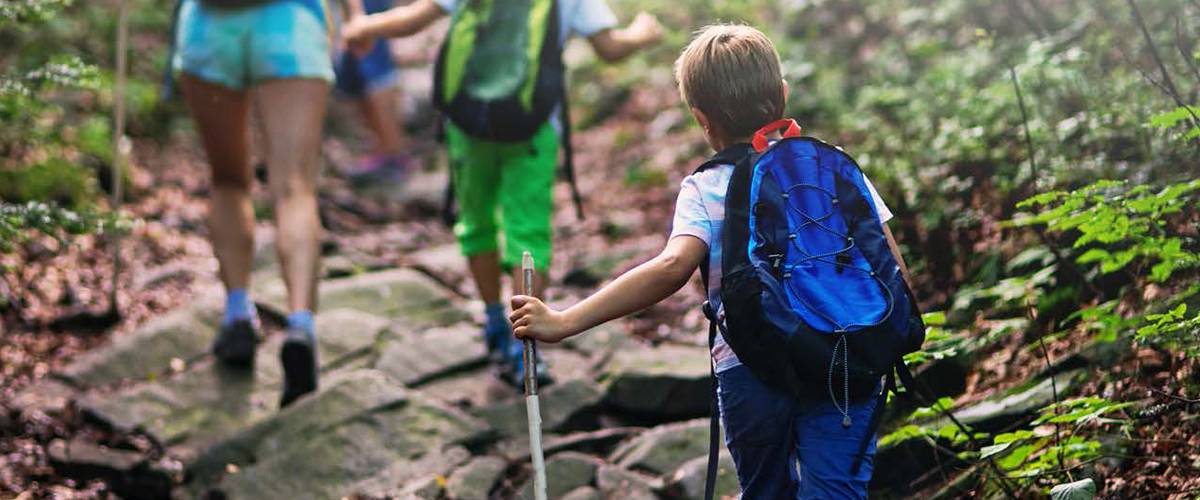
(375, 71)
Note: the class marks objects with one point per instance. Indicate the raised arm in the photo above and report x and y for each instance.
(642, 287)
(612, 45)
(396, 22)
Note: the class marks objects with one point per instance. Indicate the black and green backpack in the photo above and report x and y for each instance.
(500, 74)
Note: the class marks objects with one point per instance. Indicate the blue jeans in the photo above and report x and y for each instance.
(768, 432)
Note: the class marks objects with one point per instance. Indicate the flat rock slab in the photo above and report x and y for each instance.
(617, 482)
(127, 473)
(472, 390)
(363, 429)
(401, 295)
(475, 479)
(47, 396)
(663, 449)
(184, 334)
(562, 404)
(211, 401)
(665, 382)
(583, 493)
(994, 414)
(687, 482)
(419, 357)
(565, 472)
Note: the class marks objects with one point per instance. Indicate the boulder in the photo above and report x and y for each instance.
(184, 334)
(1001, 412)
(417, 358)
(687, 482)
(47, 396)
(401, 294)
(563, 405)
(126, 472)
(616, 482)
(211, 401)
(665, 383)
(361, 431)
(664, 449)
(564, 473)
(475, 479)
(603, 339)
(471, 390)
(583, 493)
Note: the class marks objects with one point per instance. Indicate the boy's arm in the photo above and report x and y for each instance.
(615, 44)
(642, 287)
(396, 22)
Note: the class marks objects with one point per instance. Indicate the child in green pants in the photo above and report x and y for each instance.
(503, 188)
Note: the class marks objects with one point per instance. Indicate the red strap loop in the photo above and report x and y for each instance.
(760, 138)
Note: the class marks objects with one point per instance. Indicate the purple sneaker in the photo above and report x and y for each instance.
(386, 168)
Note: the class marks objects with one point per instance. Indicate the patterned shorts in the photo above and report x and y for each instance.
(238, 48)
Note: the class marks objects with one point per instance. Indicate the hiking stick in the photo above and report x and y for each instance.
(532, 409)
(120, 145)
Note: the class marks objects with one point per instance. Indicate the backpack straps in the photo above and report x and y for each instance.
(734, 155)
(714, 422)
(569, 152)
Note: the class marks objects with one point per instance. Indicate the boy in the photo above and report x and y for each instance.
(370, 78)
(729, 76)
(517, 176)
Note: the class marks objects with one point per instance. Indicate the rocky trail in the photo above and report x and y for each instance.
(408, 406)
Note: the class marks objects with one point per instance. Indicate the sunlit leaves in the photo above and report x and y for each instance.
(1117, 225)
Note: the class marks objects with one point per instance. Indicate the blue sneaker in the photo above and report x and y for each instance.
(513, 369)
(497, 338)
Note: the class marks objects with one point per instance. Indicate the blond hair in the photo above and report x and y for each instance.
(731, 73)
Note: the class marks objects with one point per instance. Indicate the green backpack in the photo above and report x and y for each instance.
(500, 74)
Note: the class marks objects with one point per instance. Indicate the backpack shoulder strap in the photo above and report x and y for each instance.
(742, 156)
(732, 155)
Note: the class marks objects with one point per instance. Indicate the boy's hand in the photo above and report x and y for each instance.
(533, 319)
(645, 28)
(354, 32)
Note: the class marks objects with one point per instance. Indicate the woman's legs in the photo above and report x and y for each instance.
(291, 114)
(222, 119)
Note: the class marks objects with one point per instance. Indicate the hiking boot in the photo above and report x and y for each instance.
(299, 357)
(235, 342)
(513, 370)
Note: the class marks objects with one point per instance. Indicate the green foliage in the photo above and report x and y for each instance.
(20, 222)
(1119, 225)
(1172, 329)
(55, 181)
(1181, 115)
(1083, 489)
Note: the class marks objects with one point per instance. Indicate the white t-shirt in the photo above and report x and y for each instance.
(577, 17)
(700, 212)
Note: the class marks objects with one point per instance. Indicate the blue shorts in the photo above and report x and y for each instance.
(238, 48)
(769, 432)
(375, 71)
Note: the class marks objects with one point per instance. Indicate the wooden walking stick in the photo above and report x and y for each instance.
(532, 409)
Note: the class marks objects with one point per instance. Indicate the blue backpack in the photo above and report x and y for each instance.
(814, 303)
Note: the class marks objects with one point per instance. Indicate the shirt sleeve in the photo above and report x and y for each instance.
(885, 214)
(588, 17)
(446, 5)
(691, 218)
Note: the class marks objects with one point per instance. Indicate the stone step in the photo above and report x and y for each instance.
(362, 432)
